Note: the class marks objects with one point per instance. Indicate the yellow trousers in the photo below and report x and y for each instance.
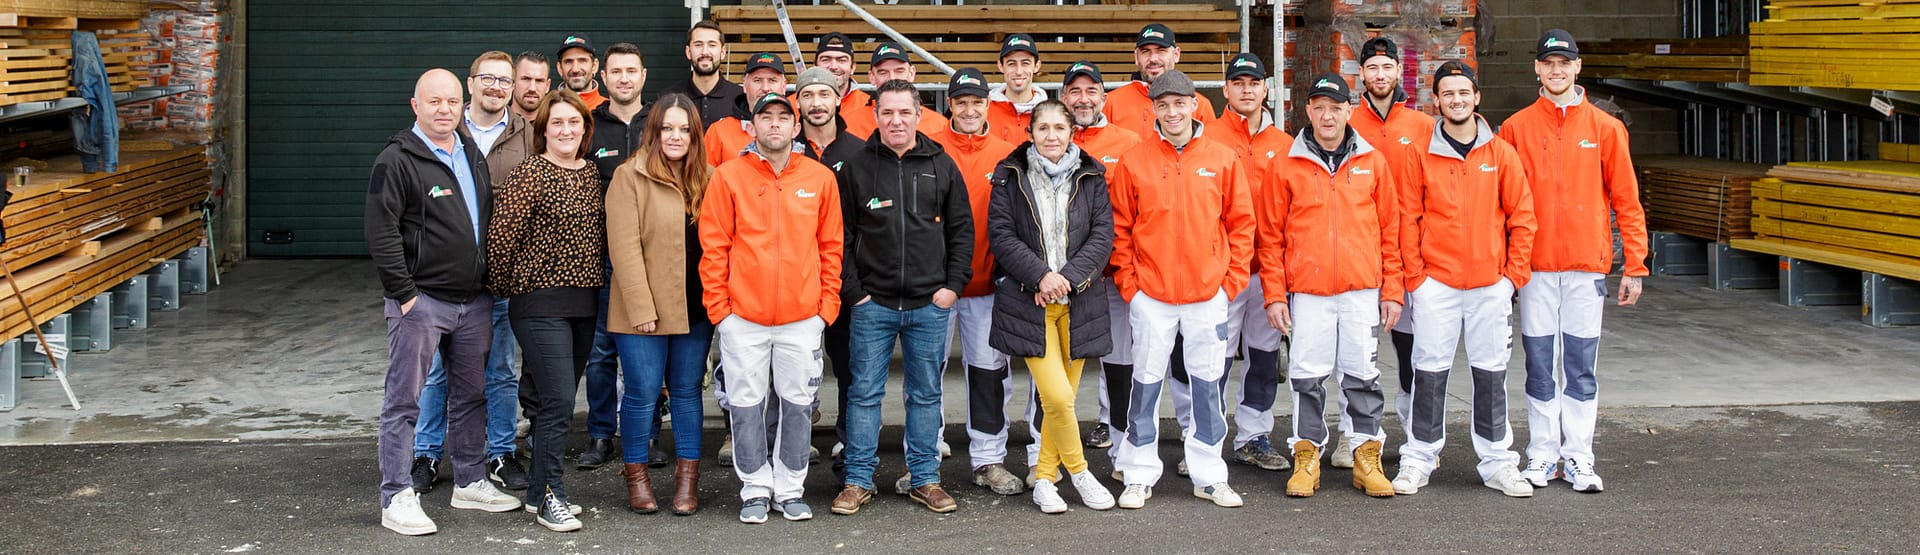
(1057, 376)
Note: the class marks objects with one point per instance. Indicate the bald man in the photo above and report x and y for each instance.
(428, 203)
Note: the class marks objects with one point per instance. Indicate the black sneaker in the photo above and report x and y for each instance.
(656, 457)
(1100, 438)
(426, 471)
(598, 452)
(555, 514)
(506, 471)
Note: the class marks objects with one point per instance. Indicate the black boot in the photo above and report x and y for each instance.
(599, 451)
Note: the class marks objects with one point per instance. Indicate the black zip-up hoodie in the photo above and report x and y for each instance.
(909, 225)
(416, 223)
(845, 146)
(614, 141)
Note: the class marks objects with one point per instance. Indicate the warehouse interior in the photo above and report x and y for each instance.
(215, 286)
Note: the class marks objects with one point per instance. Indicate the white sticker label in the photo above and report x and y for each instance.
(1881, 105)
(55, 341)
(1663, 49)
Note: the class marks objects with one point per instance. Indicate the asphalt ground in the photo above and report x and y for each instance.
(1797, 478)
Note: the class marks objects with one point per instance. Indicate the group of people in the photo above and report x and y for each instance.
(793, 226)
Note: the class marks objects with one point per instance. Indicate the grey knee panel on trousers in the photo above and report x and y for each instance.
(1209, 420)
(1365, 404)
(1540, 361)
(1581, 354)
(1144, 425)
(795, 426)
(1313, 403)
(748, 456)
(1489, 404)
(1262, 382)
(1429, 405)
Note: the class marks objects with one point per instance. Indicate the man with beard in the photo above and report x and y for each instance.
(1012, 103)
(1086, 97)
(824, 138)
(1470, 226)
(1581, 172)
(531, 80)
(889, 63)
(1401, 134)
(1154, 54)
(578, 64)
(711, 93)
(728, 137)
(835, 54)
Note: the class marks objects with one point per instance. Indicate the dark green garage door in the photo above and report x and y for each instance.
(328, 82)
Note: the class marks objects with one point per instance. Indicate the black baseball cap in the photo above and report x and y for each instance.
(1453, 68)
(1018, 42)
(834, 42)
(888, 51)
(1330, 85)
(765, 60)
(1082, 68)
(1379, 46)
(770, 99)
(575, 40)
(1155, 34)
(1557, 41)
(1246, 64)
(967, 81)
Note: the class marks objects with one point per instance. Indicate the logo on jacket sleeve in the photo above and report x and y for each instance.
(1588, 144)
(1489, 169)
(875, 203)
(438, 191)
(1202, 172)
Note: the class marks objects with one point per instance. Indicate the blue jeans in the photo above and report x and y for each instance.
(603, 380)
(921, 332)
(502, 392)
(645, 362)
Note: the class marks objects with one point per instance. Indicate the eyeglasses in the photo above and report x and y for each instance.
(490, 81)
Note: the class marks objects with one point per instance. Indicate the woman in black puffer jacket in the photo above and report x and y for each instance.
(1050, 226)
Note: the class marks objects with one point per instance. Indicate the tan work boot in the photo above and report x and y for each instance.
(1306, 470)
(1367, 473)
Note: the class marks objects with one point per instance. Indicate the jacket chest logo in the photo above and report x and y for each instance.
(836, 165)
(1109, 160)
(875, 203)
(1588, 144)
(803, 193)
(438, 191)
(605, 152)
(1270, 155)
(1361, 171)
(1489, 169)
(1406, 141)
(1202, 172)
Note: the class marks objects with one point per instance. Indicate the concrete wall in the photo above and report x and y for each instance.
(1506, 69)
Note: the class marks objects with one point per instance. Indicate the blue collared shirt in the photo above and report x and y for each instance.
(485, 137)
(456, 160)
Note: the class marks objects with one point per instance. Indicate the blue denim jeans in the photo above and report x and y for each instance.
(922, 332)
(603, 380)
(502, 391)
(646, 361)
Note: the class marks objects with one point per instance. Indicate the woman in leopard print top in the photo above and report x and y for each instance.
(546, 254)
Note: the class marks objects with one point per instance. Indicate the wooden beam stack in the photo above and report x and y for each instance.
(1863, 215)
(1698, 197)
(36, 46)
(74, 235)
(1707, 60)
(1855, 44)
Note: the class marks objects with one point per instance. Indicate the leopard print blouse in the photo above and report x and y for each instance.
(548, 230)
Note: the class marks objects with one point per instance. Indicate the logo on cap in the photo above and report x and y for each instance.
(574, 39)
(967, 80)
(763, 58)
(1556, 43)
(1325, 84)
(1017, 41)
(1243, 63)
(888, 50)
(1079, 67)
(1152, 34)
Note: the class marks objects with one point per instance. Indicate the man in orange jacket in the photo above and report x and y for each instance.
(1467, 230)
(728, 138)
(1578, 159)
(976, 151)
(1013, 102)
(835, 53)
(889, 62)
(1086, 97)
(1330, 262)
(771, 219)
(1154, 54)
(1400, 133)
(1183, 239)
(1256, 138)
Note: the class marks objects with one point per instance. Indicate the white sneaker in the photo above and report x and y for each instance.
(482, 496)
(1135, 496)
(1539, 472)
(1181, 468)
(1343, 453)
(837, 447)
(1509, 482)
(1583, 478)
(945, 450)
(1409, 481)
(1220, 494)
(403, 515)
(1092, 492)
(1033, 477)
(1047, 496)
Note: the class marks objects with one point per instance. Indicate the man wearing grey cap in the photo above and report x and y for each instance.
(1183, 241)
(824, 138)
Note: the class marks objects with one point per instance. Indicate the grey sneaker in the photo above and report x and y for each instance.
(794, 509)
(1101, 437)
(755, 511)
(1343, 453)
(1260, 453)
(904, 485)
(995, 477)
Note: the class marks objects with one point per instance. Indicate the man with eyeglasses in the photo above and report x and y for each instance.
(531, 80)
(503, 138)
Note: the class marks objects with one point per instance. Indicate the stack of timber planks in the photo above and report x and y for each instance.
(74, 235)
(1698, 197)
(1863, 215)
(36, 46)
(1704, 60)
(1855, 44)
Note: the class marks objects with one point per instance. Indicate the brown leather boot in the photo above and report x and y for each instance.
(639, 489)
(686, 489)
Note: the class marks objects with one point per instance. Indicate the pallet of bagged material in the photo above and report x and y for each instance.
(1698, 197)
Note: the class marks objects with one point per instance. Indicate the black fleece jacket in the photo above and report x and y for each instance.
(416, 222)
(909, 225)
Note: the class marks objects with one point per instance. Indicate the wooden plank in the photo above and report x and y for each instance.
(1831, 257)
(1866, 12)
(1886, 224)
(1826, 235)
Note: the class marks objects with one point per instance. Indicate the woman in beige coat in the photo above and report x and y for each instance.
(654, 312)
